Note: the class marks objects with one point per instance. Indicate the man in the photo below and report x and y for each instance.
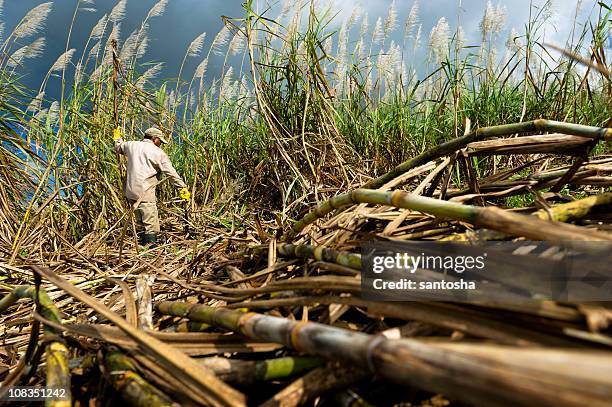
(145, 161)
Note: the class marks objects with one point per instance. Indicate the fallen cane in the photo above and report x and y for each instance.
(186, 228)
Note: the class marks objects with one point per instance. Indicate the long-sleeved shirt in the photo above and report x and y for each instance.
(144, 162)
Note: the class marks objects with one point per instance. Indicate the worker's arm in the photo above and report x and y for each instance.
(118, 141)
(165, 166)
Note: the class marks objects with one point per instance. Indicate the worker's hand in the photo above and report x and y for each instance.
(184, 194)
(116, 134)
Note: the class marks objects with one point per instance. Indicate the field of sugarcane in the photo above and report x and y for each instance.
(319, 133)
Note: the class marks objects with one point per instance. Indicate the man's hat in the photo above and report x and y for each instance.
(155, 132)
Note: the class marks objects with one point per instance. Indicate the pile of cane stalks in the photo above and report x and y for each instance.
(274, 316)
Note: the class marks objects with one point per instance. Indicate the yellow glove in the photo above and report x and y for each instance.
(116, 134)
(184, 194)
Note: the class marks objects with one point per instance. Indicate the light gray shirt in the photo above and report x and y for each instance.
(144, 162)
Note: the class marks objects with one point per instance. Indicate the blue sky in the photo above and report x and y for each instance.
(183, 20)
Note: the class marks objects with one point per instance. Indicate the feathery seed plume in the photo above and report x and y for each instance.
(389, 63)
(412, 19)
(395, 56)
(129, 46)
(235, 89)
(343, 38)
(34, 21)
(491, 59)
(41, 115)
(108, 53)
(115, 33)
(417, 38)
(377, 34)
(62, 61)
(192, 99)
(201, 69)
(438, 40)
(359, 49)
(393, 70)
(364, 26)
(36, 103)
(391, 20)
(341, 64)
(237, 44)
(141, 49)
(220, 40)
(142, 41)
(355, 14)
(492, 20)
(78, 73)
(513, 43)
(158, 9)
(243, 88)
(500, 17)
(135, 45)
(117, 14)
(195, 47)
(213, 86)
(292, 28)
(98, 30)
(53, 115)
(286, 7)
(486, 21)
(30, 51)
(225, 93)
(149, 74)
(381, 63)
(203, 102)
(171, 100)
